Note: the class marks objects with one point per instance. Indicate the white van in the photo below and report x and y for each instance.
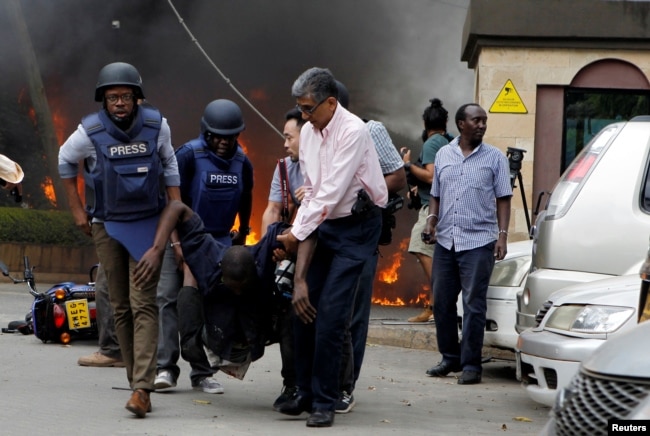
(596, 220)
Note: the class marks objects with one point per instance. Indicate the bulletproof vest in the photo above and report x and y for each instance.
(127, 182)
(217, 186)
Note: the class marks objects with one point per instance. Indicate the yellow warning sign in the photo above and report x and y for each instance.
(508, 101)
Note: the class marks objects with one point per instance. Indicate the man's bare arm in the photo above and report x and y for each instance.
(503, 219)
(301, 304)
(175, 212)
(395, 181)
(272, 214)
(76, 207)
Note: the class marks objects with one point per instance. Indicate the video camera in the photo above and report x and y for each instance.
(394, 204)
(515, 157)
(284, 277)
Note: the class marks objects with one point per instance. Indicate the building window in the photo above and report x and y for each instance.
(587, 111)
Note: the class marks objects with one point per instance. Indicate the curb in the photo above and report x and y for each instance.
(420, 336)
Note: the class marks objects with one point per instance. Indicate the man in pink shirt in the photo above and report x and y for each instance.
(341, 172)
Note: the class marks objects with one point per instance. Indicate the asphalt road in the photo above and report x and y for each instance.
(43, 391)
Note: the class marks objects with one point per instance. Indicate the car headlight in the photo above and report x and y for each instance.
(510, 272)
(588, 318)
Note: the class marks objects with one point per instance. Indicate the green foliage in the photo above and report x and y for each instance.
(40, 227)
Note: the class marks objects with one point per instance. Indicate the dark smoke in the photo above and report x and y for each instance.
(392, 56)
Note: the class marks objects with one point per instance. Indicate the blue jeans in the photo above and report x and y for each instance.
(171, 281)
(343, 247)
(467, 272)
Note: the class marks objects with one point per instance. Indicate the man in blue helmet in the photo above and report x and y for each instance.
(217, 183)
(130, 171)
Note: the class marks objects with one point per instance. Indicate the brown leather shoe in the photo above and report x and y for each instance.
(425, 316)
(139, 403)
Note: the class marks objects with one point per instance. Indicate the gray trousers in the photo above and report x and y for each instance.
(171, 281)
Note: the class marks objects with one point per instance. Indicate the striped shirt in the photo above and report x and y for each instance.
(388, 155)
(468, 188)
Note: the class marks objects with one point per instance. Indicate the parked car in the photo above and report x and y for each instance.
(594, 216)
(612, 384)
(573, 324)
(508, 278)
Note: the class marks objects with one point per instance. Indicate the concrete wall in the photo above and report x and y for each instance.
(53, 263)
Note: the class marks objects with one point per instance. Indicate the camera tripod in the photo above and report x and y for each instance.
(515, 156)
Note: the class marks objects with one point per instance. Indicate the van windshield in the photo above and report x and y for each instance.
(574, 177)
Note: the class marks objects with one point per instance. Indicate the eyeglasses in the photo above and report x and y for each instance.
(113, 98)
(310, 110)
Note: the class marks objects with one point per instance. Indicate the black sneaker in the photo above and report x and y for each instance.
(288, 393)
(345, 403)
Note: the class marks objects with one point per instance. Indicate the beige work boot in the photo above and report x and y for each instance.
(99, 360)
(425, 316)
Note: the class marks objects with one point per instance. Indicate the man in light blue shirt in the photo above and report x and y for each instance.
(468, 221)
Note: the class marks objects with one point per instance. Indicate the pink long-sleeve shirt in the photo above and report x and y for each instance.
(336, 162)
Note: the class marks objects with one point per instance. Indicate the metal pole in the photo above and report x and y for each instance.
(523, 200)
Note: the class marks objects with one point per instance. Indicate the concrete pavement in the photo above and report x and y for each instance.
(43, 391)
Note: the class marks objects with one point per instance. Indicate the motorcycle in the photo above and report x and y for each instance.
(64, 312)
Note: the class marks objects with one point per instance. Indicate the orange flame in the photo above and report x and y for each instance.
(48, 190)
(389, 274)
(243, 145)
(423, 299)
(59, 122)
(386, 302)
(252, 237)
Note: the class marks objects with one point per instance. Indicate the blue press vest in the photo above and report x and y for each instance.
(128, 181)
(217, 186)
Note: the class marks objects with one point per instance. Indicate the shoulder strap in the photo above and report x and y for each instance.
(151, 116)
(284, 186)
(92, 124)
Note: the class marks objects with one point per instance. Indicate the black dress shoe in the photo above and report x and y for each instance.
(295, 406)
(321, 418)
(470, 378)
(443, 368)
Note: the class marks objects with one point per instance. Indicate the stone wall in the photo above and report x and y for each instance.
(528, 68)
